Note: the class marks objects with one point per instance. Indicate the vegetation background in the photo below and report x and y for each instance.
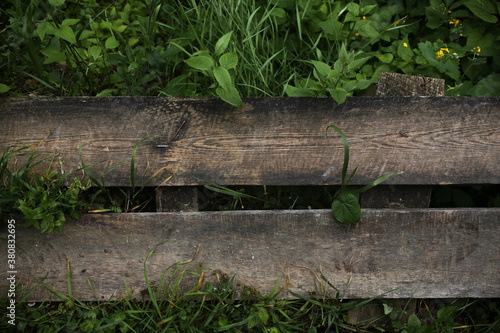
(230, 49)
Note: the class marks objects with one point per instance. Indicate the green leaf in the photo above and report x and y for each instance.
(111, 43)
(386, 58)
(263, 315)
(338, 94)
(299, 92)
(367, 30)
(333, 28)
(53, 54)
(56, 3)
(353, 8)
(322, 68)
(346, 151)
(66, 33)
(445, 313)
(4, 88)
(222, 44)
(414, 323)
(94, 52)
(488, 87)
(68, 22)
(44, 28)
(228, 60)
(223, 77)
(404, 50)
(203, 63)
(483, 9)
(231, 96)
(346, 208)
(354, 65)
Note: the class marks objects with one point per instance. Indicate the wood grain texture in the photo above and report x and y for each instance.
(395, 84)
(423, 253)
(272, 141)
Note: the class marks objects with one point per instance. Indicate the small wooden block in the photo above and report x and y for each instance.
(394, 84)
(177, 199)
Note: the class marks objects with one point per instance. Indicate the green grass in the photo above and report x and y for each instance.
(187, 302)
(282, 47)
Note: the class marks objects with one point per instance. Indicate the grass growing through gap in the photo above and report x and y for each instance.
(184, 301)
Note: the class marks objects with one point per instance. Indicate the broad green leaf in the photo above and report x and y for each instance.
(365, 29)
(223, 77)
(363, 84)
(68, 22)
(386, 58)
(346, 208)
(203, 63)
(354, 65)
(66, 33)
(332, 27)
(404, 50)
(353, 8)
(338, 94)
(43, 28)
(322, 68)
(95, 52)
(228, 60)
(263, 315)
(231, 96)
(483, 9)
(53, 54)
(222, 44)
(278, 12)
(56, 3)
(111, 43)
(299, 92)
(445, 313)
(414, 323)
(4, 88)
(366, 9)
(488, 87)
(333, 74)
(107, 92)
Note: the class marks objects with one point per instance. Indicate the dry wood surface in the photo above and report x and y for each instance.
(406, 253)
(272, 141)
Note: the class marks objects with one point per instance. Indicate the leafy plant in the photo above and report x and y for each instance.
(217, 65)
(345, 206)
(41, 197)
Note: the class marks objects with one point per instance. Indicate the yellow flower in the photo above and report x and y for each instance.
(478, 49)
(364, 17)
(454, 22)
(405, 45)
(356, 34)
(440, 53)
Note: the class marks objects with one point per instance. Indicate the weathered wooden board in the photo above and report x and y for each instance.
(420, 252)
(272, 141)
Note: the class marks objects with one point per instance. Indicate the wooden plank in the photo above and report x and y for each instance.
(424, 253)
(272, 141)
(394, 84)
